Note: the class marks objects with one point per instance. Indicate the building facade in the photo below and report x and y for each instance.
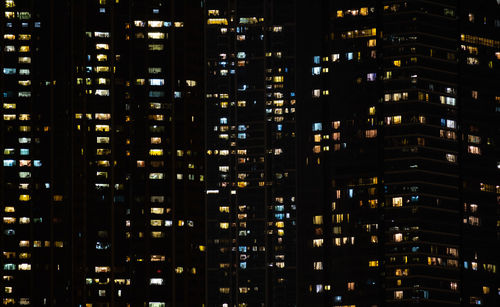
(251, 169)
(401, 154)
(250, 153)
(102, 184)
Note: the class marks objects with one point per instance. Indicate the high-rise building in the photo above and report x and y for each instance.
(250, 153)
(34, 228)
(401, 158)
(102, 139)
(251, 161)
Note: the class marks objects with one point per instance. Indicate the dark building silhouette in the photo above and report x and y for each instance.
(401, 153)
(250, 153)
(251, 142)
(102, 140)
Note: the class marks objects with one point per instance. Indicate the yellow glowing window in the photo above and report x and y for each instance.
(397, 201)
(224, 209)
(102, 57)
(157, 210)
(397, 63)
(156, 35)
(363, 11)
(24, 37)
(103, 163)
(24, 116)
(24, 60)
(224, 225)
(155, 140)
(9, 36)
(373, 263)
(318, 220)
(102, 116)
(24, 49)
(101, 68)
(102, 128)
(24, 197)
(158, 117)
(242, 184)
(101, 46)
(217, 21)
(340, 14)
(156, 222)
(155, 23)
(9, 220)
(9, 105)
(156, 152)
(280, 224)
(213, 12)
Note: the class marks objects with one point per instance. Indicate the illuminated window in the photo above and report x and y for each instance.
(318, 220)
(451, 158)
(397, 201)
(371, 133)
(317, 242)
(318, 265)
(398, 237)
(156, 35)
(474, 150)
(156, 152)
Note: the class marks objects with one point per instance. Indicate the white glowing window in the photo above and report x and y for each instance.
(156, 82)
(156, 281)
(101, 34)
